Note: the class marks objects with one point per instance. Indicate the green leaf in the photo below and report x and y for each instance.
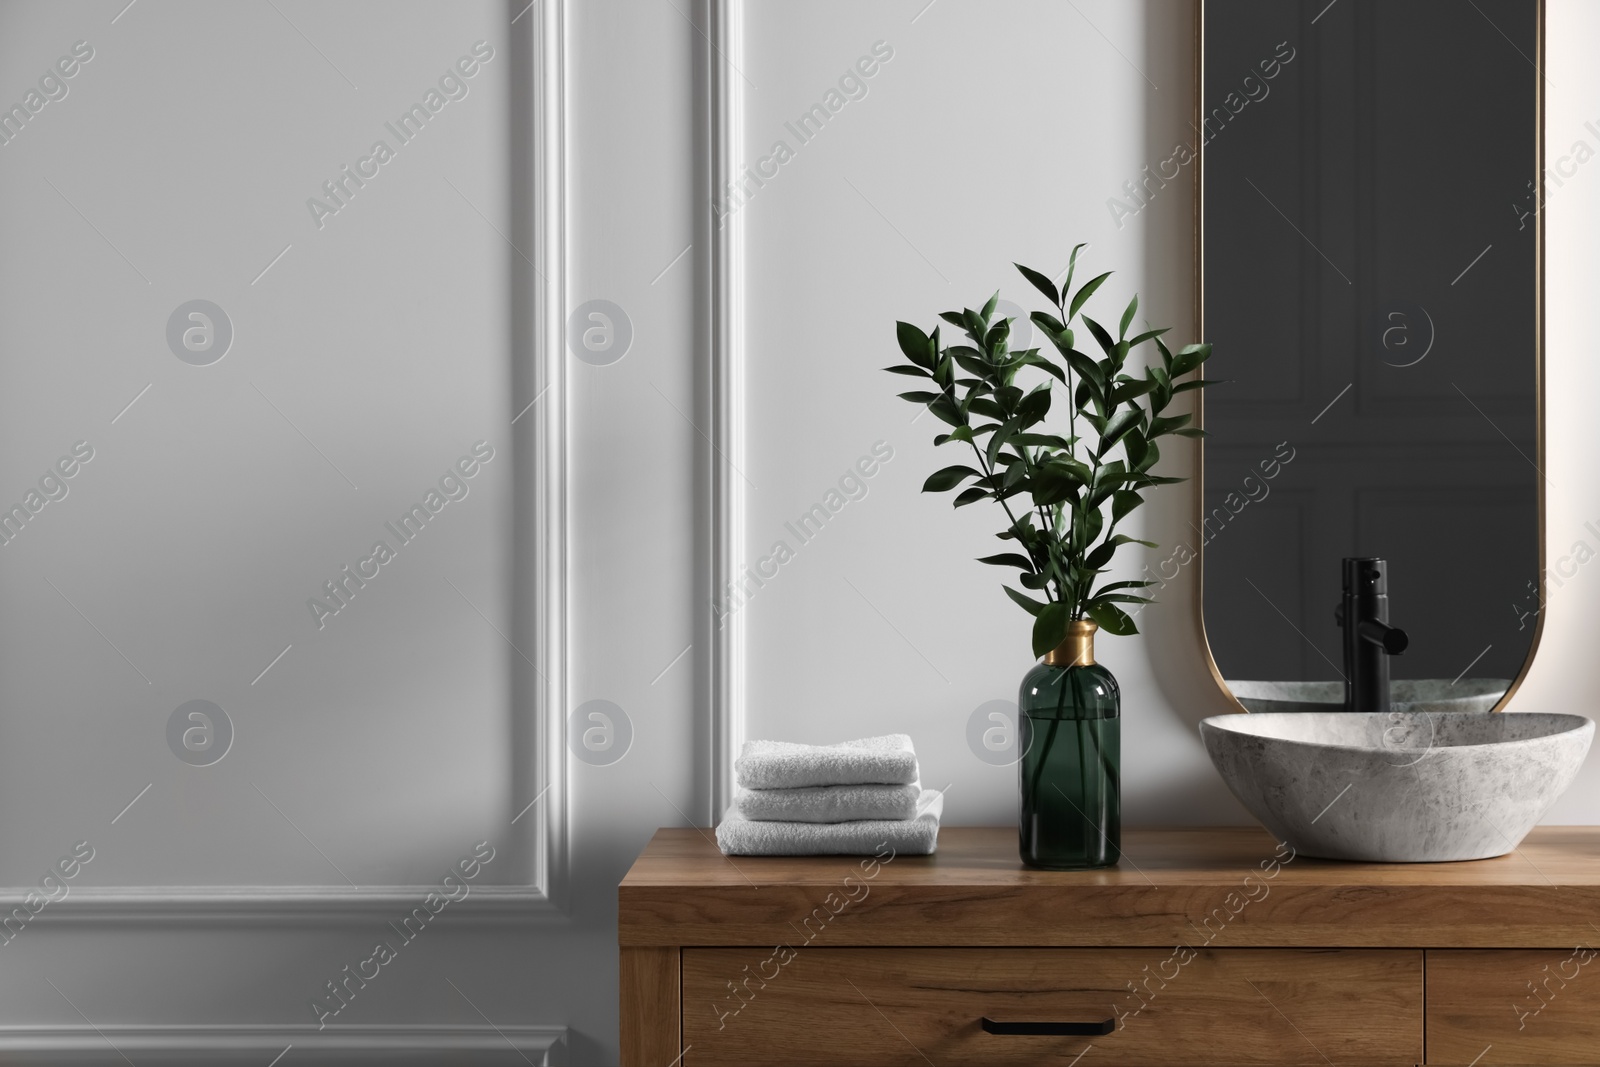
(1167, 424)
(1050, 627)
(973, 364)
(998, 440)
(945, 410)
(1112, 619)
(1102, 338)
(1087, 526)
(1022, 530)
(1072, 265)
(1036, 360)
(901, 368)
(1008, 559)
(1087, 369)
(1123, 392)
(1034, 406)
(1048, 491)
(988, 309)
(1137, 448)
(1042, 440)
(960, 433)
(1127, 316)
(1192, 383)
(943, 480)
(1123, 501)
(921, 397)
(1085, 393)
(1191, 432)
(996, 336)
(1188, 358)
(1111, 475)
(986, 407)
(1100, 556)
(1057, 480)
(1085, 293)
(916, 345)
(1119, 424)
(1150, 335)
(1048, 323)
(1123, 585)
(1152, 456)
(1025, 602)
(1073, 467)
(1040, 282)
(970, 495)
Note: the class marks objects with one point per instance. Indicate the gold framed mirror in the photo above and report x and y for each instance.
(1369, 257)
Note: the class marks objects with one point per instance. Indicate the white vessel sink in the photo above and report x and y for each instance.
(1405, 694)
(1406, 787)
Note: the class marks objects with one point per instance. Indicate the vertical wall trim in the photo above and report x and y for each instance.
(549, 766)
(724, 625)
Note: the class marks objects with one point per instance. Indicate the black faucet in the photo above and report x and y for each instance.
(1368, 638)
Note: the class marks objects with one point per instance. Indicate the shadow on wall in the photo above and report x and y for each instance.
(1174, 642)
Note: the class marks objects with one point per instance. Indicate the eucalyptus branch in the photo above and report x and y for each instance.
(1069, 496)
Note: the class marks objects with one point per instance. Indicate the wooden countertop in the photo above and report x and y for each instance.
(1199, 886)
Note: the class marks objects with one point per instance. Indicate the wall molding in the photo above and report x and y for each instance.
(541, 747)
(225, 1045)
(549, 784)
(723, 460)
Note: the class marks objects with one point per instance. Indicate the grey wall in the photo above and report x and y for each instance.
(921, 641)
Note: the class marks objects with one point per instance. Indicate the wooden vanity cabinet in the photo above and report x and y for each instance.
(1207, 947)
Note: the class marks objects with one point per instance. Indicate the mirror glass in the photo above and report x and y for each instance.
(1370, 281)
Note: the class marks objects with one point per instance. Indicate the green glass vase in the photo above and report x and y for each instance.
(1069, 724)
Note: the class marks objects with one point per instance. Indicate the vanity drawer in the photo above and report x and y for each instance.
(920, 1005)
(1498, 1007)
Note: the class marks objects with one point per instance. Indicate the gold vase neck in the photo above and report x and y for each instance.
(1077, 648)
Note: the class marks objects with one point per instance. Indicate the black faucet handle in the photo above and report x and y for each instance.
(1391, 639)
(1366, 576)
(1396, 641)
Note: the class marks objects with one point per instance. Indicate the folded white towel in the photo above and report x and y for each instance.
(738, 836)
(829, 803)
(785, 765)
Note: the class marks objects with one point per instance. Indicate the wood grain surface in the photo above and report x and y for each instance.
(651, 1007)
(1225, 888)
(1503, 1006)
(919, 1006)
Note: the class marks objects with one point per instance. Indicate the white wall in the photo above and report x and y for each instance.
(994, 134)
(1565, 676)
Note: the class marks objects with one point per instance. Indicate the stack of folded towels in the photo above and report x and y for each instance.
(840, 800)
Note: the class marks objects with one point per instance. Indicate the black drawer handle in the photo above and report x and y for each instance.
(1050, 1029)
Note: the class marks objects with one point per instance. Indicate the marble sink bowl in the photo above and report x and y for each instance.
(1406, 787)
(1405, 694)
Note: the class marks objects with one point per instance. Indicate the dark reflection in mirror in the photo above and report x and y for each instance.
(1370, 267)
